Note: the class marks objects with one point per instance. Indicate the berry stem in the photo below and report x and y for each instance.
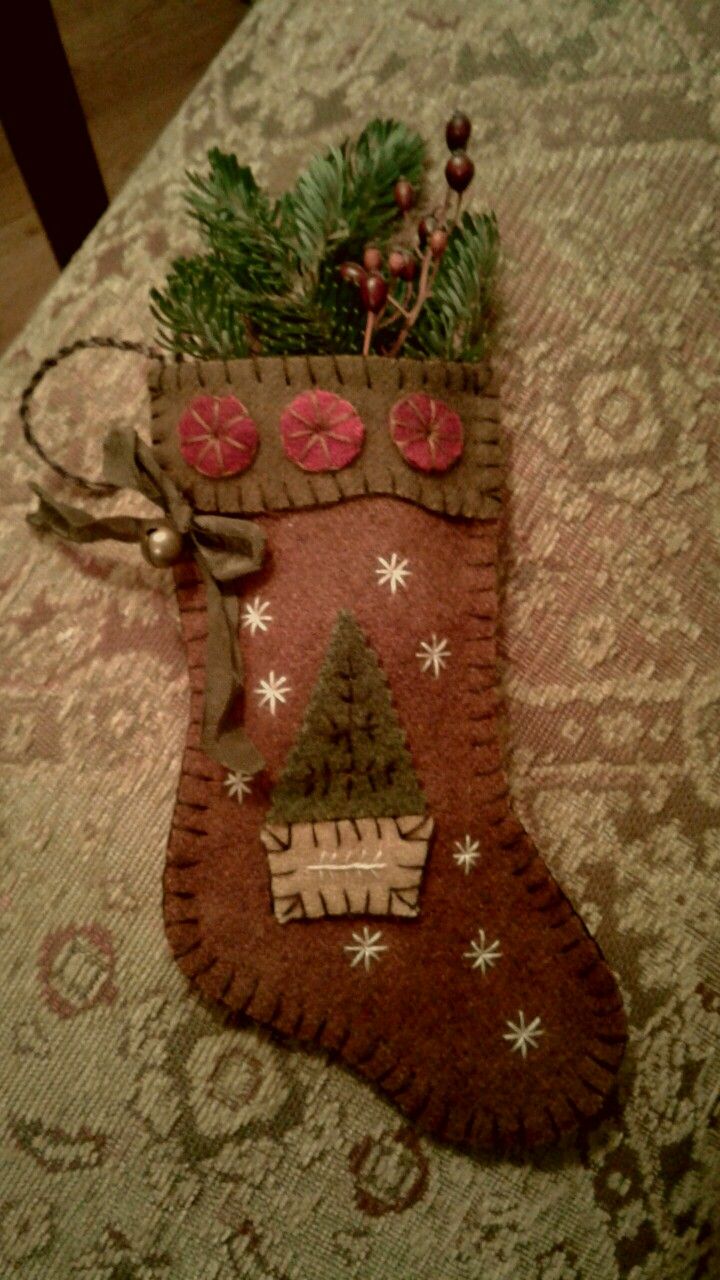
(456, 215)
(369, 326)
(403, 311)
(422, 294)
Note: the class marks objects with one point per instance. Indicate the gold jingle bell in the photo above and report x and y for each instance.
(161, 545)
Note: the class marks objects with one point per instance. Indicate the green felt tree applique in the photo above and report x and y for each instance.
(350, 759)
(347, 832)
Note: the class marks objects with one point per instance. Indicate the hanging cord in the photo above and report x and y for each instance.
(101, 489)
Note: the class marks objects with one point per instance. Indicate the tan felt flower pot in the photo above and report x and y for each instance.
(355, 866)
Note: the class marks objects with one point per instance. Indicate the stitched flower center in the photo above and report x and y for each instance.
(321, 432)
(217, 436)
(427, 432)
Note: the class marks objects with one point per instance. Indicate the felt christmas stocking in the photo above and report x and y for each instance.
(353, 875)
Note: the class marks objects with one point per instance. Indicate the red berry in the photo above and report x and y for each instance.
(374, 292)
(352, 272)
(372, 258)
(459, 171)
(426, 225)
(396, 262)
(409, 267)
(457, 131)
(404, 194)
(438, 242)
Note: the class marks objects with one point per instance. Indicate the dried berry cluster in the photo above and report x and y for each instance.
(396, 303)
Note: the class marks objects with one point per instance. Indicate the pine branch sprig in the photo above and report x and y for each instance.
(238, 223)
(267, 280)
(200, 312)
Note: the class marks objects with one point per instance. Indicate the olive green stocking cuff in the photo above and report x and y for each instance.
(372, 386)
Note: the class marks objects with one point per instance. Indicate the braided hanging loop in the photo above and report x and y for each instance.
(100, 488)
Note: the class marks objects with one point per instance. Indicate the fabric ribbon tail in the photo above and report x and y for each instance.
(222, 740)
(74, 525)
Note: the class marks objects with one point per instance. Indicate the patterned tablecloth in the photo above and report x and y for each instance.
(140, 1136)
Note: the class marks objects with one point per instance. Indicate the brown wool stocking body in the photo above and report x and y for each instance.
(370, 890)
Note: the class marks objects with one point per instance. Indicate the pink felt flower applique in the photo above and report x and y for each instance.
(427, 432)
(321, 432)
(217, 436)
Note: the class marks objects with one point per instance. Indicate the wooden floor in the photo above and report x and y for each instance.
(134, 63)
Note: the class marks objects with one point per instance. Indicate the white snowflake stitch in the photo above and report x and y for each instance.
(433, 655)
(256, 615)
(368, 948)
(392, 572)
(482, 953)
(272, 690)
(238, 784)
(467, 853)
(522, 1035)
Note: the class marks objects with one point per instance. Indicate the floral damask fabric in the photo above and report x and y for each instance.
(141, 1135)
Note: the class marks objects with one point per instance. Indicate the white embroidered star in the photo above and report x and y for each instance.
(238, 784)
(523, 1035)
(468, 852)
(256, 616)
(483, 954)
(433, 654)
(272, 690)
(393, 572)
(368, 948)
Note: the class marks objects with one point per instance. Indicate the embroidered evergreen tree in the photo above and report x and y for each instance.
(350, 759)
(347, 833)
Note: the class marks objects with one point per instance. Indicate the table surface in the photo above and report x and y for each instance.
(129, 1143)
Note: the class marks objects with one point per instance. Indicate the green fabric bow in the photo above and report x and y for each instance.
(225, 549)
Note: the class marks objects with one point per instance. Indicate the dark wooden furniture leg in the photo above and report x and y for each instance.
(46, 127)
